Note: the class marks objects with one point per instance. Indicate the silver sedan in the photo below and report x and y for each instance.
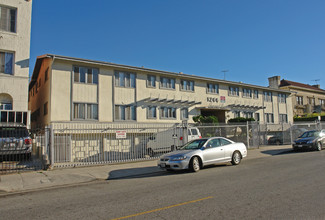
(201, 152)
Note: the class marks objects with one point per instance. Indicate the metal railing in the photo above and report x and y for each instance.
(81, 144)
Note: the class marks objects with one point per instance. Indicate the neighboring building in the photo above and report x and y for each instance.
(66, 89)
(15, 28)
(306, 98)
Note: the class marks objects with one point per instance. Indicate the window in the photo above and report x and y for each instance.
(311, 101)
(8, 19)
(187, 85)
(255, 94)
(125, 79)
(283, 118)
(152, 112)
(236, 114)
(257, 116)
(5, 106)
(6, 62)
(247, 93)
(267, 96)
(151, 81)
(269, 118)
(168, 113)
(85, 111)
(322, 102)
(184, 113)
(85, 75)
(233, 91)
(45, 109)
(248, 114)
(167, 83)
(212, 88)
(213, 143)
(125, 112)
(282, 98)
(299, 100)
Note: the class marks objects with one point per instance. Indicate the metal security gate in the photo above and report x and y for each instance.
(20, 149)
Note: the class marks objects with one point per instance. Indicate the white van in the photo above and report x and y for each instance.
(171, 139)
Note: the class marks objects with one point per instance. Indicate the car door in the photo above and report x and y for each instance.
(213, 152)
(227, 147)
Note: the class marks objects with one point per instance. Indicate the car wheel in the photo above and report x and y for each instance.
(195, 164)
(319, 146)
(236, 158)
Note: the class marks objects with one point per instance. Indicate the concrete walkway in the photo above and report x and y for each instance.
(37, 180)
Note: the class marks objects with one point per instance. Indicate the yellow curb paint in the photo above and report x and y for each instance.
(163, 208)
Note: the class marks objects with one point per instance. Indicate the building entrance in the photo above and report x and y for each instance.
(220, 114)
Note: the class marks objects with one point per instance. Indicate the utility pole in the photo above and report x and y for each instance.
(224, 73)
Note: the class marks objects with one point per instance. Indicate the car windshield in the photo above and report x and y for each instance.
(310, 134)
(196, 144)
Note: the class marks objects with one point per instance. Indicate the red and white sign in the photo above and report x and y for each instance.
(120, 134)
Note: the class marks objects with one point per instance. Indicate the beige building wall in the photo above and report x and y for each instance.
(64, 92)
(18, 43)
(61, 91)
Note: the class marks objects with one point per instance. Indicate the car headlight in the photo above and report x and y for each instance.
(178, 158)
(310, 142)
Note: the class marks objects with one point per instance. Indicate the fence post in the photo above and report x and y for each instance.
(51, 147)
(247, 134)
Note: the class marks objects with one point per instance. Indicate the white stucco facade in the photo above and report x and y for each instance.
(15, 52)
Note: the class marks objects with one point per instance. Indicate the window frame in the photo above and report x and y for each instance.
(299, 100)
(83, 78)
(5, 70)
(125, 79)
(125, 113)
(187, 85)
(151, 81)
(282, 98)
(255, 94)
(169, 81)
(9, 22)
(247, 93)
(268, 96)
(149, 115)
(168, 113)
(214, 89)
(84, 111)
(233, 91)
(184, 113)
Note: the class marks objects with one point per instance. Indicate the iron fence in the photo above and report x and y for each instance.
(80, 144)
(18, 150)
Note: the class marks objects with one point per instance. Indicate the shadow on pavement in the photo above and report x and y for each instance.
(145, 172)
(280, 152)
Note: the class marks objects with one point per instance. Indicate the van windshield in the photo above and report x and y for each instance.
(195, 144)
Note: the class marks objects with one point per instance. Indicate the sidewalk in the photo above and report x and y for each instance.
(36, 180)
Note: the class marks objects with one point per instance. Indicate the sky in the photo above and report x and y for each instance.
(250, 39)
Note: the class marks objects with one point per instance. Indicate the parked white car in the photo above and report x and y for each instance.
(201, 152)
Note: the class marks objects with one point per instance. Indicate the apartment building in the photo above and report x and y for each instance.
(306, 98)
(67, 89)
(15, 29)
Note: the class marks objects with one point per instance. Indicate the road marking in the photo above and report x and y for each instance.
(163, 208)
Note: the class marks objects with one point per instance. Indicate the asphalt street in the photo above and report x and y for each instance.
(285, 186)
